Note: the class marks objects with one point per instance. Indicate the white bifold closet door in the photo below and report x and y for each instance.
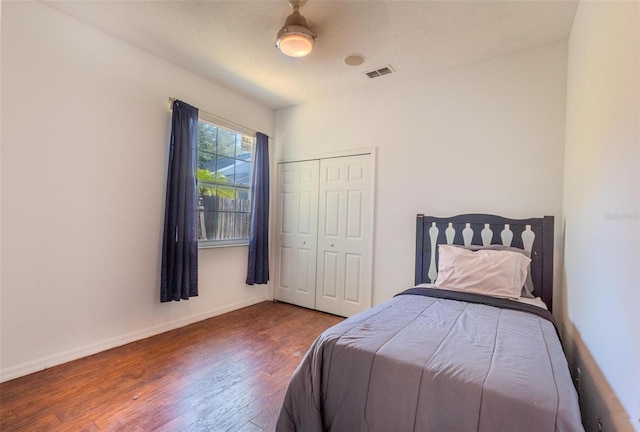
(345, 217)
(297, 236)
(324, 226)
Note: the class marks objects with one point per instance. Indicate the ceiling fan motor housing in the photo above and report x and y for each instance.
(295, 39)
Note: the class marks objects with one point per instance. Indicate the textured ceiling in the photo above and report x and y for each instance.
(232, 42)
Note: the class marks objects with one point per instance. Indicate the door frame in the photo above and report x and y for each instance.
(328, 155)
(334, 154)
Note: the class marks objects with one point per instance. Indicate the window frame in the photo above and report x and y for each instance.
(223, 124)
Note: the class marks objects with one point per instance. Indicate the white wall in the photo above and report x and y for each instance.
(84, 142)
(602, 204)
(485, 138)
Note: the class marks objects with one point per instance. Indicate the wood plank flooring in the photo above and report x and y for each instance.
(227, 373)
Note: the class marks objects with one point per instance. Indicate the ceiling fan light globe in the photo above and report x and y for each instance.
(295, 44)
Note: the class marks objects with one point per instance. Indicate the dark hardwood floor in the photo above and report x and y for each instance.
(228, 373)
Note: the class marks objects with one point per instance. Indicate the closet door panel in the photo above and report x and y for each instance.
(355, 202)
(346, 218)
(352, 278)
(306, 212)
(332, 214)
(329, 265)
(297, 228)
(304, 268)
(285, 270)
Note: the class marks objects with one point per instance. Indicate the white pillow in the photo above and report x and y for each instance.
(489, 272)
(527, 288)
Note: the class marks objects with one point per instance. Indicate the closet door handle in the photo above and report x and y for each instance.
(331, 244)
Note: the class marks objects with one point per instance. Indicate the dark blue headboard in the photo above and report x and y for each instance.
(535, 234)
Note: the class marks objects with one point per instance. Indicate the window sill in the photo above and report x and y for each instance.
(216, 245)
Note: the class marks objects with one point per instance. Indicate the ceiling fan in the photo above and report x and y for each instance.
(295, 39)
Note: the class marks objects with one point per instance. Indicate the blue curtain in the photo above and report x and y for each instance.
(179, 275)
(258, 268)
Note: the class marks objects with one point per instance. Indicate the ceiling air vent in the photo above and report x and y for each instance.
(379, 72)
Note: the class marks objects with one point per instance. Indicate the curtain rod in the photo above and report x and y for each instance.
(221, 119)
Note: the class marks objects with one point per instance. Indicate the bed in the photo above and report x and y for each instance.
(472, 347)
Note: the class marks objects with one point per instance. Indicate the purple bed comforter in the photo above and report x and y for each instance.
(419, 363)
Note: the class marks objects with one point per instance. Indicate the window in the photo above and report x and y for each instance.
(224, 184)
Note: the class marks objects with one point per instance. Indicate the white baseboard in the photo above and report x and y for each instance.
(87, 350)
